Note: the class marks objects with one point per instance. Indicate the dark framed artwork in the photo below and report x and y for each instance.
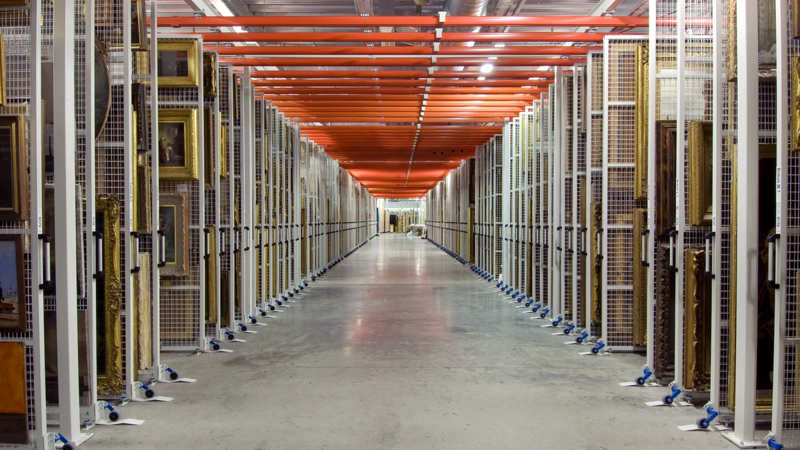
(178, 62)
(767, 57)
(666, 146)
(209, 75)
(138, 25)
(109, 299)
(14, 401)
(13, 169)
(12, 284)
(209, 144)
(177, 144)
(700, 172)
(173, 221)
(141, 119)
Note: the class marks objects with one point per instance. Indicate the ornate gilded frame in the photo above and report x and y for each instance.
(209, 75)
(641, 88)
(700, 172)
(766, 26)
(796, 97)
(3, 91)
(597, 267)
(189, 170)
(109, 377)
(663, 344)
(211, 312)
(143, 200)
(697, 323)
(223, 152)
(19, 169)
(192, 48)
(180, 202)
(665, 154)
(143, 330)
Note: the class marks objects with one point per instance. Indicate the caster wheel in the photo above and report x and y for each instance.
(668, 399)
(244, 327)
(702, 424)
(291, 294)
(271, 308)
(253, 321)
(302, 288)
(542, 315)
(113, 416)
(263, 314)
(69, 446)
(566, 330)
(231, 337)
(149, 393)
(216, 347)
(640, 381)
(595, 350)
(279, 303)
(579, 340)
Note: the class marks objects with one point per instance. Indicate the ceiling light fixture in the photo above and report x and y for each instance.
(486, 68)
(481, 78)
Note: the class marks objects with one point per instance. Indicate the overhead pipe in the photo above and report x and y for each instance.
(294, 36)
(496, 74)
(408, 21)
(529, 50)
(412, 83)
(400, 62)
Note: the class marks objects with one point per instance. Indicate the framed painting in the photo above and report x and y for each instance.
(14, 401)
(697, 322)
(178, 62)
(700, 172)
(13, 169)
(173, 219)
(767, 57)
(144, 205)
(223, 152)
(211, 312)
(664, 330)
(795, 87)
(209, 75)
(795, 19)
(140, 117)
(109, 300)
(177, 144)
(12, 285)
(596, 211)
(138, 26)
(639, 279)
(209, 145)
(666, 147)
(142, 321)
(641, 88)
(3, 98)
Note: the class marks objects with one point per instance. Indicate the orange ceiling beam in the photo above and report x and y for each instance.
(257, 74)
(322, 36)
(406, 90)
(432, 104)
(527, 50)
(377, 95)
(418, 83)
(345, 119)
(404, 21)
(400, 62)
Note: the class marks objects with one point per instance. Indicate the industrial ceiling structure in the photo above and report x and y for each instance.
(400, 91)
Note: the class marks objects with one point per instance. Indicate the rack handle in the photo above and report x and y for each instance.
(645, 233)
(135, 245)
(222, 246)
(237, 233)
(599, 255)
(772, 273)
(162, 249)
(46, 260)
(582, 239)
(98, 255)
(247, 238)
(672, 253)
(207, 243)
(707, 238)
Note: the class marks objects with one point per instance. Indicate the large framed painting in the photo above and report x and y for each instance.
(138, 26)
(209, 145)
(697, 322)
(177, 144)
(109, 299)
(173, 219)
(13, 169)
(12, 284)
(3, 98)
(209, 75)
(666, 148)
(641, 96)
(142, 321)
(767, 57)
(14, 401)
(211, 312)
(700, 172)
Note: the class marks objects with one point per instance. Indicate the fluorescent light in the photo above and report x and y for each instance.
(470, 43)
(481, 78)
(486, 68)
(500, 45)
(492, 57)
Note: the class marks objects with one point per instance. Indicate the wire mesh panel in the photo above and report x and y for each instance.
(225, 92)
(618, 189)
(578, 236)
(567, 188)
(594, 193)
(213, 181)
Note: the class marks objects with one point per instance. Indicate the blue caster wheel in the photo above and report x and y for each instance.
(231, 336)
(595, 350)
(702, 424)
(667, 399)
(215, 347)
(291, 294)
(579, 340)
(640, 381)
(566, 330)
(243, 327)
(271, 308)
(149, 393)
(253, 321)
(263, 314)
(173, 375)
(113, 416)
(279, 302)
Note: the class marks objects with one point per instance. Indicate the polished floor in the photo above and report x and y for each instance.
(401, 347)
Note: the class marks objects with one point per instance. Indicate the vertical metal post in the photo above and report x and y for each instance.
(747, 221)
(154, 186)
(651, 177)
(201, 197)
(230, 235)
(129, 159)
(36, 178)
(65, 214)
(680, 210)
(604, 204)
(782, 127)
(247, 159)
(217, 204)
(556, 184)
(91, 207)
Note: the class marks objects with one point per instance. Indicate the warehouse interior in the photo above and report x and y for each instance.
(399, 224)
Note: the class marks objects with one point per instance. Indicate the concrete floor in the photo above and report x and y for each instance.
(401, 347)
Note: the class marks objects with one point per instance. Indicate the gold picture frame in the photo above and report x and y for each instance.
(173, 216)
(177, 144)
(795, 19)
(209, 145)
(209, 75)
(697, 323)
(639, 279)
(597, 281)
(767, 67)
(699, 179)
(641, 88)
(665, 176)
(223, 151)
(795, 98)
(142, 196)
(211, 312)
(14, 183)
(3, 92)
(178, 62)
(142, 321)
(109, 300)
(138, 26)
(141, 123)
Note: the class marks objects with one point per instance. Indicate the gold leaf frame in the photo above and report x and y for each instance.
(142, 342)
(111, 383)
(192, 48)
(138, 23)
(796, 96)
(641, 96)
(697, 323)
(142, 196)
(14, 401)
(223, 152)
(211, 312)
(179, 201)
(3, 92)
(639, 279)
(663, 343)
(19, 170)
(700, 172)
(189, 170)
(210, 144)
(731, 62)
(209, 75)
(597, 285)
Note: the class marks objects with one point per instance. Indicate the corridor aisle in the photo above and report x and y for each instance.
(402, 347)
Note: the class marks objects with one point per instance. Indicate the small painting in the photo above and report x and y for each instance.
(173, 224)
(12, 285)
(13, 169)
(177, 144)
